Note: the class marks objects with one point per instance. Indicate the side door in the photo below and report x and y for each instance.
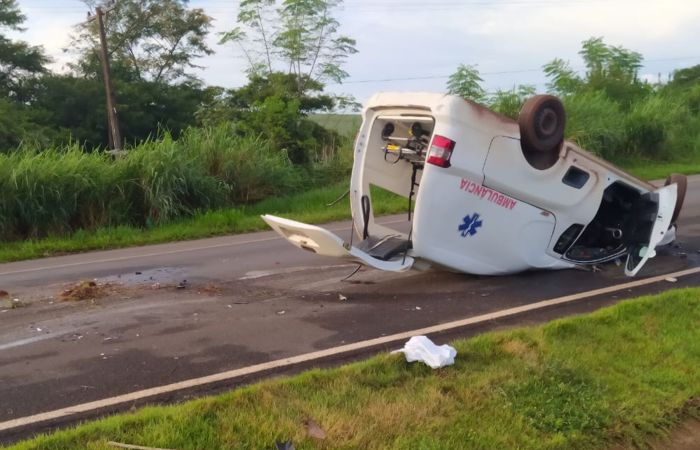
(652, 220)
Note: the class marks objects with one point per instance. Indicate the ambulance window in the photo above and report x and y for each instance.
(575, 177)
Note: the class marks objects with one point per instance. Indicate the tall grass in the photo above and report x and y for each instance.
(661, 127)
(60, 190)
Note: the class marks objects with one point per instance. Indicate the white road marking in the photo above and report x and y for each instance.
(163, 253)
(26, 341)
(308, 357)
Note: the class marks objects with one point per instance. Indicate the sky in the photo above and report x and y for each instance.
(414, 45)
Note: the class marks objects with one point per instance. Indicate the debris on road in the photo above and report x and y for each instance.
(342, 298)
(282, 312)
(420, 348)
(182, 284)
(17, 303)
(10, 303)
(85, 290)
(210, 289)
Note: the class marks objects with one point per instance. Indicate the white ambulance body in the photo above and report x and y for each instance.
(491, 195)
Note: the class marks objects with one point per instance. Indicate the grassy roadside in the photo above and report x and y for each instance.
(618, 376)
(307, 207)
(655, 171)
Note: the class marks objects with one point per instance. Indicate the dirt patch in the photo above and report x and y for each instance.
(210, 289)
(686, 436)
(86, 290)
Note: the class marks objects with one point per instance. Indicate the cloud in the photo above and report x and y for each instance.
(408, 38)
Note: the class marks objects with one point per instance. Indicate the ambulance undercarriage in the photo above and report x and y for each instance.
(488, 195)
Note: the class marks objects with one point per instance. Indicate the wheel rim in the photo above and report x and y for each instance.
(547, 123)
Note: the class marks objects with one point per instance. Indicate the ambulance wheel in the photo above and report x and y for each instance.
(682, 182)
(542, 121)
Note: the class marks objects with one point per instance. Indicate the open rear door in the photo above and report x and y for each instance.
(652, 221)
(317, 240)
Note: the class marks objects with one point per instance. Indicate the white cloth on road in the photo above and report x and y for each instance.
(420, 348)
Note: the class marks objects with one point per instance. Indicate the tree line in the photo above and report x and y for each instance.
(610, 109)
(291, 48)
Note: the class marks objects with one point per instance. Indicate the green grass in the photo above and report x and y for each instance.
(61, 190)
(307, 207)
(659, 171)
(619, 376)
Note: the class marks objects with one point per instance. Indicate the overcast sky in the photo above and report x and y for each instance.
(415, 44)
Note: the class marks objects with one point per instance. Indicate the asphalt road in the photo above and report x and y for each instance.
(249, 299)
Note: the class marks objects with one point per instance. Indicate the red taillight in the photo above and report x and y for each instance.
(441, 151)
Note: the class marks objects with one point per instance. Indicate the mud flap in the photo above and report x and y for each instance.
(653, 218)
(323, 242)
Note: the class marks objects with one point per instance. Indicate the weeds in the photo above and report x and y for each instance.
(58, 191)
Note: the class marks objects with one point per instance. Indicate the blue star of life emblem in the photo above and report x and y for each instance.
(470, 226)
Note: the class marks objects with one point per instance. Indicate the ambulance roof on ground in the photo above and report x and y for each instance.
(450, 107)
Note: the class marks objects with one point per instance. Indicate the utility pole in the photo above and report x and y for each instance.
(115, 138)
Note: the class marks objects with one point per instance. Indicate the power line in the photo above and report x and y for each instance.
(503, 72)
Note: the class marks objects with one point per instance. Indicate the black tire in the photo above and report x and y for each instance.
(542, 121)
(682, 182)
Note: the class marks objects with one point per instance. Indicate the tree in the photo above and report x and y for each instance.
(269, 105)
(688, 76)
(70, 108)
(613, 70)
(564, 80)
(18, 60)
(148, 40)
(292, 48)
(605, 62)
(299, 37)
(466, 83)
(610, 69)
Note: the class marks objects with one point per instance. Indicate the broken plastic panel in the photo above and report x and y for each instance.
(323, 242)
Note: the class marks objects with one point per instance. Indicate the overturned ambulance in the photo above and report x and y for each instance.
(492, 195)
